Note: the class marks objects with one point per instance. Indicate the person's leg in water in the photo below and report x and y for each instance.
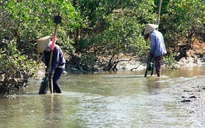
(158, 65)
(57, 75)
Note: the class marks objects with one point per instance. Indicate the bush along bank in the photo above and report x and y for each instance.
(15, 69)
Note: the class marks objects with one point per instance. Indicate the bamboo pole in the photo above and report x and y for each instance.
(51, 57)
(57, 20)
(159, 13)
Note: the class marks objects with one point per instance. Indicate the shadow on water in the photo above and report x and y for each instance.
(101, 100)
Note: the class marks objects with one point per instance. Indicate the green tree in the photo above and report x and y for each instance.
(16, 68)
(112, 27)
(179, 23)
(29, 20)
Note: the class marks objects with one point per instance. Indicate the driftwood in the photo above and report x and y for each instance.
(111, 65)
(137, 66)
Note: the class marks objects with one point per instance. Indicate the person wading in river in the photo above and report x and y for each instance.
(58, 61)
(157, 46)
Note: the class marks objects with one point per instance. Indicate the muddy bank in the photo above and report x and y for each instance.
(135, 65)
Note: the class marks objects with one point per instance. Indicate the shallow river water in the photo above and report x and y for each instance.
(104, 100)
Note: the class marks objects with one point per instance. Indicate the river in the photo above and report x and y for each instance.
(102, 100)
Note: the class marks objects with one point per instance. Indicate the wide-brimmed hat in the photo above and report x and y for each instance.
(42, 44)
(149, 28)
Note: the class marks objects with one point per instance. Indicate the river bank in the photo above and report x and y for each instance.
(194, 57)
(135, 65)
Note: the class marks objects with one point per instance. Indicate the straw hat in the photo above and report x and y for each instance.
(149, 28)
(42, 43)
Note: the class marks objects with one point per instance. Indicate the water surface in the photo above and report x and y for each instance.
(103, 100)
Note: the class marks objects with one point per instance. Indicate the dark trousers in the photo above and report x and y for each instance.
(158, 63)
(57, 75)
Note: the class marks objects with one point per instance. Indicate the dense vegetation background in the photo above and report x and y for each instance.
(92, 32)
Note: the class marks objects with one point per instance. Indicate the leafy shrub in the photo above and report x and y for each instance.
(15, 68)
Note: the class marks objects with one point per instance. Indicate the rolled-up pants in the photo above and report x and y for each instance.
(56, 77)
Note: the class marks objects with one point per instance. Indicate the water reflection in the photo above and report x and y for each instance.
(53, 111)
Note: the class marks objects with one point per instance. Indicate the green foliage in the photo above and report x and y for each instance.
(114, 27)
(88, 62)
(94, 12)
(181, 18)
(15, 68)
(123, 36)
(30, 20)
(170, 61)
(91, 29)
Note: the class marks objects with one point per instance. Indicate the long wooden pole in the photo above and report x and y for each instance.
(159, 12)
(51, 55)
(57, 20)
